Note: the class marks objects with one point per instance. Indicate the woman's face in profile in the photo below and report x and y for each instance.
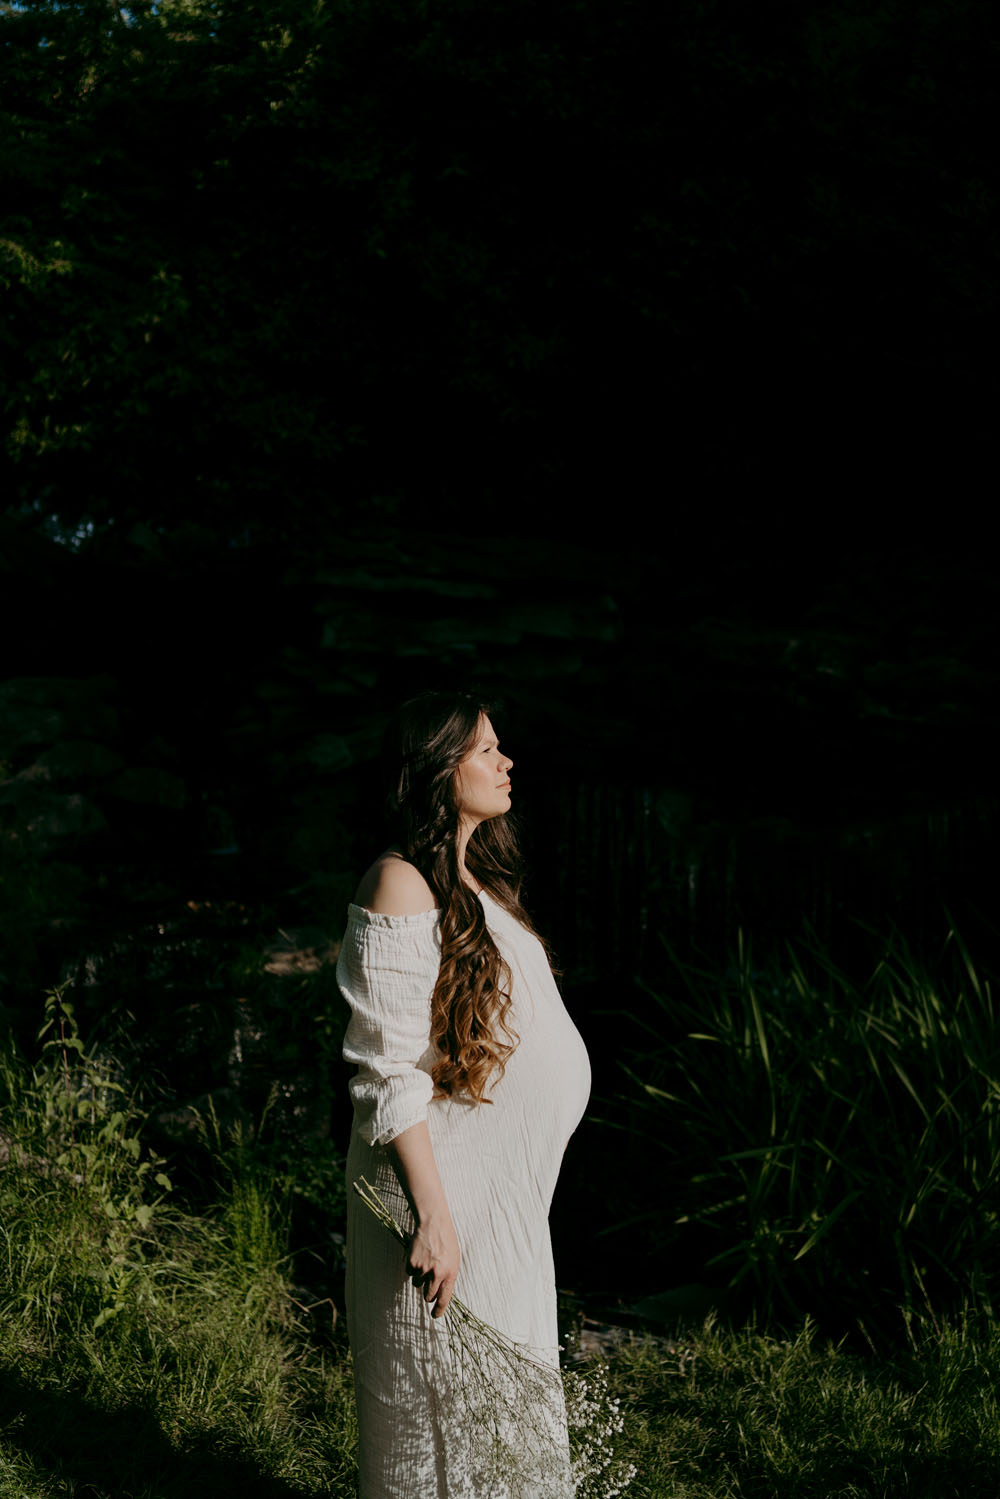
(482, 781)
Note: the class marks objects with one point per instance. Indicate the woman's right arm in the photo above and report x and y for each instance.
(393, 887)
(434, 1252)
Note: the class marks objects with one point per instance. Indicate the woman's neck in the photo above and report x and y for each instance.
(394, 851)
(465, 832)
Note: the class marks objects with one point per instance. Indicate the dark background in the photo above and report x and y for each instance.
(634, 363)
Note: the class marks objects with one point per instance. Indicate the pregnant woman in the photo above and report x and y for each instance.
(470, 1079)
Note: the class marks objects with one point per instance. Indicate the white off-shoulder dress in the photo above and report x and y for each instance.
(418, 1405)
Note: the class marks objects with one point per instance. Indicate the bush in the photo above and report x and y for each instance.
(149, 1349)
(837, 1144)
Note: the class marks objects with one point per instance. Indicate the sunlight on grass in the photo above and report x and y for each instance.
(738, 1413)
(150, 1352)
(135, 1336)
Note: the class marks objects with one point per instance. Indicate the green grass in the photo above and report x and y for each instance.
(151, 1352)
(741, 1415)
(146, 1351)
(832, 1145)
(720, 1415)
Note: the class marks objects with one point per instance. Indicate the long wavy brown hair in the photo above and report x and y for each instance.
(424, 745)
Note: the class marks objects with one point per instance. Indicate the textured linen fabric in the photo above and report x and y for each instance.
(417, 1400)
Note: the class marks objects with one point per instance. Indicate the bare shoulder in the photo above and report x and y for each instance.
(393, 887)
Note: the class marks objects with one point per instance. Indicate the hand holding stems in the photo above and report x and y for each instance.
(434, 1261)
(434, 1256)
(474, 1335)
(501, 1382)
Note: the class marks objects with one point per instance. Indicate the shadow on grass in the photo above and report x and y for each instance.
(954, 1474)
(86, 1450)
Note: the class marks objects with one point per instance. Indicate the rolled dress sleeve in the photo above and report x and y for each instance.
(387, 969)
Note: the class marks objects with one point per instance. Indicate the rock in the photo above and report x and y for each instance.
(304, 950)
(595, 1339)
(682, 1304)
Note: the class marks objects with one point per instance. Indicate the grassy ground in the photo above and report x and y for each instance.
(153, 1352)
(233, 1407)
(739, 1415)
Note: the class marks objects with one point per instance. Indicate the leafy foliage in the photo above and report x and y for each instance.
(143, 1345)
(836, 1144)
(70, 1129)
(377, 249)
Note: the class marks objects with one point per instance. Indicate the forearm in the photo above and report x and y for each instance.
(434, 1251)
(413, 1162)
